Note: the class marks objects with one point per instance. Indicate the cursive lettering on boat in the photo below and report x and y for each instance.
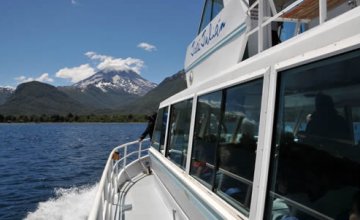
(207, 36)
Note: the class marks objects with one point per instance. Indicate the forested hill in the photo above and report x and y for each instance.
(35, 101)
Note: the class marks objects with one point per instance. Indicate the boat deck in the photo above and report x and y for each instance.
(144, 197)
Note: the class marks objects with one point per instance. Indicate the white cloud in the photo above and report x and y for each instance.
(94, 56)
(146, 46)
(42, 78)
(108, 63)
(74, 2)
(22, 79)
(76, 74)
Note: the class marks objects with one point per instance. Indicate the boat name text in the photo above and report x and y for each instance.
(207, 36)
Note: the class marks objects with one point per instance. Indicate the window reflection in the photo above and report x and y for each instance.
(315, 171)
(238, 142)
(160, 129)
(179, 132)
(225, 141)
(206, 137)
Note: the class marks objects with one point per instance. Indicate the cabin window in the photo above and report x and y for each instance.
(238, 143)
(225, 142)
(160, 128)
(211, 9)
(206, 132)
(179, 127)
(315, 162)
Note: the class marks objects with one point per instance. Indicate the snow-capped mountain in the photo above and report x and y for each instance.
(125, 81)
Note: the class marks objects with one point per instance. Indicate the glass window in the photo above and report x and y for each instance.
(206, 16)
(160, 128)
(218, 5)
(206, 137)
(179, 128)
(315, 164)
(211, 9)
(238, 143)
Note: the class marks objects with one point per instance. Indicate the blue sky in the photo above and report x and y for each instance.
(55, 41)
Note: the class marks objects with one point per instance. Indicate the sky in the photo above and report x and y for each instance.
(63, 41)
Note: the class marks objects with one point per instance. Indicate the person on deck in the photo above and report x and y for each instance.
(150, 127)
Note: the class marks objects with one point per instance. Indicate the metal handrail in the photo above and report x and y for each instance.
(103, 193)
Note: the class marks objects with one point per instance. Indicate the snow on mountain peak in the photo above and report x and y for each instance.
(126, 81)
(7, 89)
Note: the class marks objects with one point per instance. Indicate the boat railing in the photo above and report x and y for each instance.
(119, 158)
(296, 11)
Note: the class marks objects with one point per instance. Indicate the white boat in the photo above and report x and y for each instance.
(268, 128)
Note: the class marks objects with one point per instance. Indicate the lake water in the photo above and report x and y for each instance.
(50, 171)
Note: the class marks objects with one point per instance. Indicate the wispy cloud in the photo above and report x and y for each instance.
(108, 63)
(76, 74)
(42, 78)
(74, 2)
(146, 46)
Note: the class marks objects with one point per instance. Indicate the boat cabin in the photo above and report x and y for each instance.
(269, 125)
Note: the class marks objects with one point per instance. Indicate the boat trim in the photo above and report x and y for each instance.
(262, 162)
(191, 133)
(337, 48)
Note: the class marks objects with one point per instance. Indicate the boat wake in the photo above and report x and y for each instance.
(73, 203)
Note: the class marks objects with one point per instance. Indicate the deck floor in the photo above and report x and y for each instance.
(146, 200)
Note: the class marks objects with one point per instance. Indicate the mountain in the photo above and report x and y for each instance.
(109, 91)
(5, 92)
(150, 102)
(117, 81)
(103, 93)
(36, 98)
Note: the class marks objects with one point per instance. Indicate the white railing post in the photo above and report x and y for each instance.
(108, 185)
(140, 148)
(125, 155)
(322, 11)
(260, 22)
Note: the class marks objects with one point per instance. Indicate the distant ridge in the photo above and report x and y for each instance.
(150, 102)
(36, 98)
(84, 98)
(5, 93)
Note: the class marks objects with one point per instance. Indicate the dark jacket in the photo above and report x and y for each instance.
(150, 127)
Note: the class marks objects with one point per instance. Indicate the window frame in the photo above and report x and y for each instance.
(167, 136)
(164, 108)
(283, 68)
(200, 29)
(247, 78)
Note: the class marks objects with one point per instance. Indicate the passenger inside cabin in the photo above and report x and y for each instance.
(326, 122)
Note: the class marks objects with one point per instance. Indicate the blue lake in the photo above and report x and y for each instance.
(46, 170)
